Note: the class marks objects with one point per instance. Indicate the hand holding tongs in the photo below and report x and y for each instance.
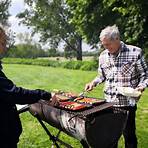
(82, 94)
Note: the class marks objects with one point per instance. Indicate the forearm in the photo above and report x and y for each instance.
(98, 80)
(10, 93)
(143, 73)
(19, 95)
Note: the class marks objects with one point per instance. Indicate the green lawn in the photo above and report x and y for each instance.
(47, 78)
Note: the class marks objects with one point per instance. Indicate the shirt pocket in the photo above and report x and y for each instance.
(128, 68)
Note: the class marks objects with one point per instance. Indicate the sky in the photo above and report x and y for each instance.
(18, 6)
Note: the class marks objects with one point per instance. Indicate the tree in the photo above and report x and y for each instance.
(51, 20)
(90, 17)
(4, 13)
(27, 48)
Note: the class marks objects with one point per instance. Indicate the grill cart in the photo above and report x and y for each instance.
(94, 123)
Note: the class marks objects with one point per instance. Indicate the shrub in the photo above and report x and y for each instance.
(83, 65)
(90, 66)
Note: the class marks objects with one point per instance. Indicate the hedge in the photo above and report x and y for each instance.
(82, 65)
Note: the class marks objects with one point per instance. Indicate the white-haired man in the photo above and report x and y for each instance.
(121, 65)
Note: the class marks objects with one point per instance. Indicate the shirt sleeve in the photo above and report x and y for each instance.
(10, 93)
(100, 77)
(143, 71)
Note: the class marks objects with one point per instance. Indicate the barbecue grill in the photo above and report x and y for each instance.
(99, 125)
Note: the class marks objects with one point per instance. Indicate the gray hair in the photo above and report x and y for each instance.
(110, 32)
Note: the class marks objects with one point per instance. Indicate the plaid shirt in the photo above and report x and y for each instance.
(127, 69)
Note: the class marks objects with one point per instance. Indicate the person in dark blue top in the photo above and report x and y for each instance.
(10, 95)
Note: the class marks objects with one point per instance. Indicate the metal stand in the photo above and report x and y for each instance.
(23, 109)
(53, 138)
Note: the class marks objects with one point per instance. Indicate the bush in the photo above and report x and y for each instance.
(90, 66)
(83, 65)
(72, 64)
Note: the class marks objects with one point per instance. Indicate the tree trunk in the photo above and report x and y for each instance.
(79, 49)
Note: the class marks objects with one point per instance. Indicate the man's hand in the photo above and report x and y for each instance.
(141, 89)
(89, 86)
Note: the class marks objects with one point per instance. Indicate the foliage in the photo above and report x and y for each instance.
(26, 51)
(83, 65)
(92, 66)
(51, 20)
(134, 20)
(4, 13)
(52, 52)
(90, 17)
(29, 48)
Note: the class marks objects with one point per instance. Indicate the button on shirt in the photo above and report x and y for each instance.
(126, 69)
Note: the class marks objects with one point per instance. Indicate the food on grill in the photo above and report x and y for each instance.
(62, 97)
(128, 91)
(71, 105)
(69, 94)
(88, 100)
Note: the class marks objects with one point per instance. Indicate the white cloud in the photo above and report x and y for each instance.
(14, 21)
(17, 6)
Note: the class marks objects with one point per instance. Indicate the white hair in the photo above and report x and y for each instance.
(110, 32)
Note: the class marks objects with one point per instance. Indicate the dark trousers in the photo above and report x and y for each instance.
(129, 131)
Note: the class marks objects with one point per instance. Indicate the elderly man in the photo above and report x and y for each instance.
(121, 66)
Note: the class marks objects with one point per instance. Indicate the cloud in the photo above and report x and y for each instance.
(14, 22)
(17, 6)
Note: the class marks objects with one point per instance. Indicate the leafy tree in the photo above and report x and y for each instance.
(90, 16)
(4, 15)
(52, 52)
(134, 20)
(51, 20)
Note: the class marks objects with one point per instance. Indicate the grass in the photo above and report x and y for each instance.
(48, 78)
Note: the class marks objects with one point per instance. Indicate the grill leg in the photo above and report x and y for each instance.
(53, 138)
(24, 109)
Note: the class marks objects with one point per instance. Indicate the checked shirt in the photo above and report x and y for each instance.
(126, 69)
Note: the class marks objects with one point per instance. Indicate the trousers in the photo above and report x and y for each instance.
(129, 132)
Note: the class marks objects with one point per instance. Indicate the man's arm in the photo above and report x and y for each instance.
(98, 80)
(143, 71)
(10, 93)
